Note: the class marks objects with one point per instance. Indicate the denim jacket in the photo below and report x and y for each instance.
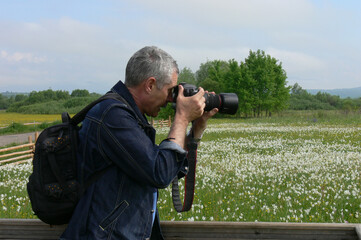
(119, 205)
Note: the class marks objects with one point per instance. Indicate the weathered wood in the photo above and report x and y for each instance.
(17, 147)
(161, 123)
(15, 153)
(229, 230)
(22, 161)
(23, 154)
(28, 229)
(35, 229)
(358, 231)
(16, 158)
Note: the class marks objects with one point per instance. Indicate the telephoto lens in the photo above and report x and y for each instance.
(226, 103)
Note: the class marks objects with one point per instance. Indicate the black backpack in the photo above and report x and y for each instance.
(53, 187)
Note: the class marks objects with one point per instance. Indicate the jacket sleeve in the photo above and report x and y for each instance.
(125, 143)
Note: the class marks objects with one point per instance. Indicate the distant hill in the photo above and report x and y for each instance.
(343, 92)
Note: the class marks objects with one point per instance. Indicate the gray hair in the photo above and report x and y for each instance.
(150, 62)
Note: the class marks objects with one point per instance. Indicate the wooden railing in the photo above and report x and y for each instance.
(161, 123)
(24, 152)
(18, 154)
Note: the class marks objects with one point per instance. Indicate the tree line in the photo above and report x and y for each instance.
(259, 81)
(300, 99)
(48, 101)
(261, 86)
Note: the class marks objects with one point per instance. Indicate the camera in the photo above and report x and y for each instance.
(225, 102)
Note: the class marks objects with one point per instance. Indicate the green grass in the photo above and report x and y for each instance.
(258, 170)
(279, 169)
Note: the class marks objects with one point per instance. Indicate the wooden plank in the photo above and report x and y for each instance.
(161, 123)
(358, 231)
(17, 147)
(226, 230)
(16, 158)
(15, 153)
(19, 162)
(35, 229)
(28, 229)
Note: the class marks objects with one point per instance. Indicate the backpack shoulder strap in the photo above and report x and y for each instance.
(80, 117)
(120, 98)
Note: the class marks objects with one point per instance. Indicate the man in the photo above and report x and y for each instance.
(122, 203)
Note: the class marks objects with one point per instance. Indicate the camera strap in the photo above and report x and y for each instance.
(189, 180)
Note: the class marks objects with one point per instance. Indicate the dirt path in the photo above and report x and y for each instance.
(16, 138)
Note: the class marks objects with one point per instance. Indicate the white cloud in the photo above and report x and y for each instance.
(307, 70)
(308, 37)
(297, 62)
(22, 57)
(192, 58)
(61, 36)
(235, 13)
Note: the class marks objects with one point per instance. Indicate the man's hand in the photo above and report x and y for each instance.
(190, 108)
(187, 110)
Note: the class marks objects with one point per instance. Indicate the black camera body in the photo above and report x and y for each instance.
(225, 102)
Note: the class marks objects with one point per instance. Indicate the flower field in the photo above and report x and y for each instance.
(8, 118)
(253, 172)
(270, 172)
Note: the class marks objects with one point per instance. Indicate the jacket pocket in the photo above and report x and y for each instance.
(117, 211)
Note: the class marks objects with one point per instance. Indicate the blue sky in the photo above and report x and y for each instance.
(67, 45)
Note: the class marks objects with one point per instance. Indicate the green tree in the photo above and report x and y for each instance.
(20, 97)
(166, 112)
(47, 95)
(296, 89)
(211, 75)
(300, 99)
(333, 100)
(232, 77)
(4, 102)
(281, 93)
(264, 83)
(233, 83)
(80, 93)
(348, 105)
(186, 75)
(357, 102)
(61, 95)
(202, 72)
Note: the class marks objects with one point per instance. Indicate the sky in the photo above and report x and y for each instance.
(86, 44)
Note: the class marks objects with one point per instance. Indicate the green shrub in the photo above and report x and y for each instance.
(13, 128)
(76, 102)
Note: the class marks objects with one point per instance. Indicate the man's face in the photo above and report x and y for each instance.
(160, 97)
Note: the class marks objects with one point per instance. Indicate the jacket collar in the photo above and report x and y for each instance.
(123, 91)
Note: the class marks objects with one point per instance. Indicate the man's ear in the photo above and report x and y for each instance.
(150, 84)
